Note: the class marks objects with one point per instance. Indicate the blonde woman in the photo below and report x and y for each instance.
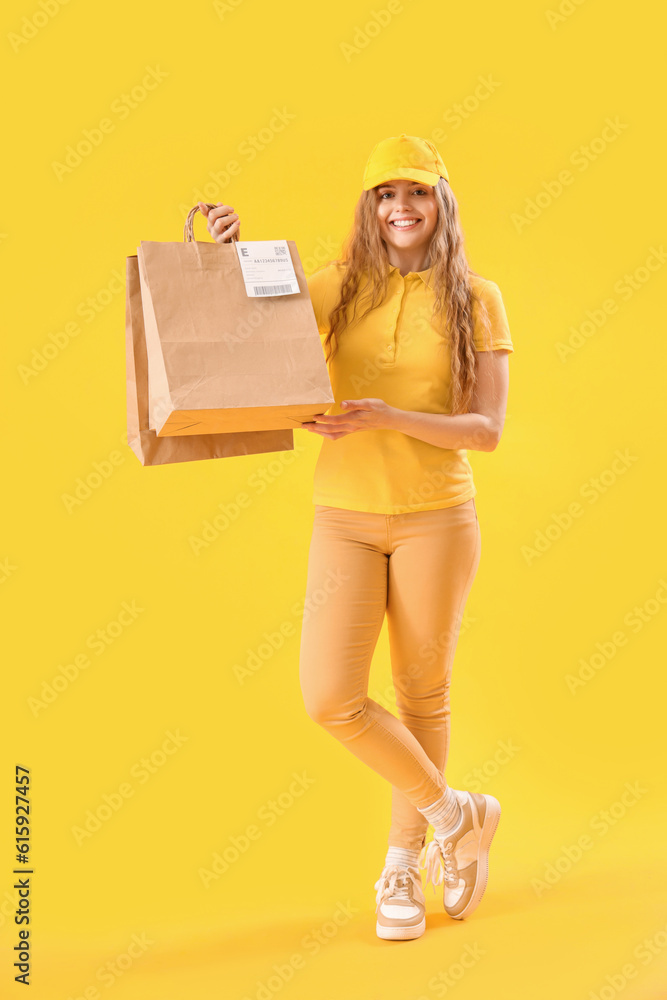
(417, 348)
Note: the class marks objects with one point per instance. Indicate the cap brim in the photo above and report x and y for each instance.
(402, 173)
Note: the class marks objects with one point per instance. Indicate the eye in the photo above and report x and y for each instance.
(416, 191)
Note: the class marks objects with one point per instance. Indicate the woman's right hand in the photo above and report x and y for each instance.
(222, 221)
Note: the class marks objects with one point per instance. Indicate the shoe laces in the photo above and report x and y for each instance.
(440, 864)
(397, 881)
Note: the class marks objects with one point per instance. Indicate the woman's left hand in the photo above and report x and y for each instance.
(358, 415)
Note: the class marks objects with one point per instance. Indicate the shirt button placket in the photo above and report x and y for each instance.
(392, 326)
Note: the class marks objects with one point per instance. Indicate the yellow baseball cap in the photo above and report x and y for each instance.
(406, 157)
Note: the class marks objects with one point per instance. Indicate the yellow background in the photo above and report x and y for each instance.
(529, 620)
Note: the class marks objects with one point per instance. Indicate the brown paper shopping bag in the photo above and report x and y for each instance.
(220, 360)
(144, 442)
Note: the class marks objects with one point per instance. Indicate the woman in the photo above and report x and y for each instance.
(417, 346)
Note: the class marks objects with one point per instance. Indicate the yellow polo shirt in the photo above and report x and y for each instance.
(397, 355)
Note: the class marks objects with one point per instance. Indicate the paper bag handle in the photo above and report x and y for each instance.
(188, 235)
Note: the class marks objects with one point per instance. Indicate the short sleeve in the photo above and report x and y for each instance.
(320, 288)
(499, 330)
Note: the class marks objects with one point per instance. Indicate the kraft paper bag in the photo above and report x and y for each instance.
(219, 360)
(144, 442)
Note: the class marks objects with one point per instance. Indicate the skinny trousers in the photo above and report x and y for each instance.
(418, 569)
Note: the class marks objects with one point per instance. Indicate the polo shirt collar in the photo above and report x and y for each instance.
(424, 275)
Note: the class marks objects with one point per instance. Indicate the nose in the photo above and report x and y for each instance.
(402, 206)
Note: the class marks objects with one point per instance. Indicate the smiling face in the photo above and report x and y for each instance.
(407, 214)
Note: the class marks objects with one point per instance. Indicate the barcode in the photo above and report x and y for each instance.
(281, 251)
(271, 289)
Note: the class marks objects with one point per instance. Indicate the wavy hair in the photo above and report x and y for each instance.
(364, 253)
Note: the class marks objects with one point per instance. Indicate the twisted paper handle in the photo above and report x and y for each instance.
(188, 235)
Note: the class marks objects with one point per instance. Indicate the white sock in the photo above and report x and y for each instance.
(402, 856)
(445, 813)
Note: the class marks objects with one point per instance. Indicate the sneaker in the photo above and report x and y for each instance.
(401, 907)
(460, 858)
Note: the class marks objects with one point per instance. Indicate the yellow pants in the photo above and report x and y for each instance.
(417, 568)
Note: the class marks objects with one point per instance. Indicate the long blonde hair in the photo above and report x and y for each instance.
(365, 253)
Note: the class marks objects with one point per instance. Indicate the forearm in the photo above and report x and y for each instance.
(473, 431)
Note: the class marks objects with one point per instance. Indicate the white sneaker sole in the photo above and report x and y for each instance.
(401, 933)
(490, 824)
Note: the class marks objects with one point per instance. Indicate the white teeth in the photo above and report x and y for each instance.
(403, 224)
